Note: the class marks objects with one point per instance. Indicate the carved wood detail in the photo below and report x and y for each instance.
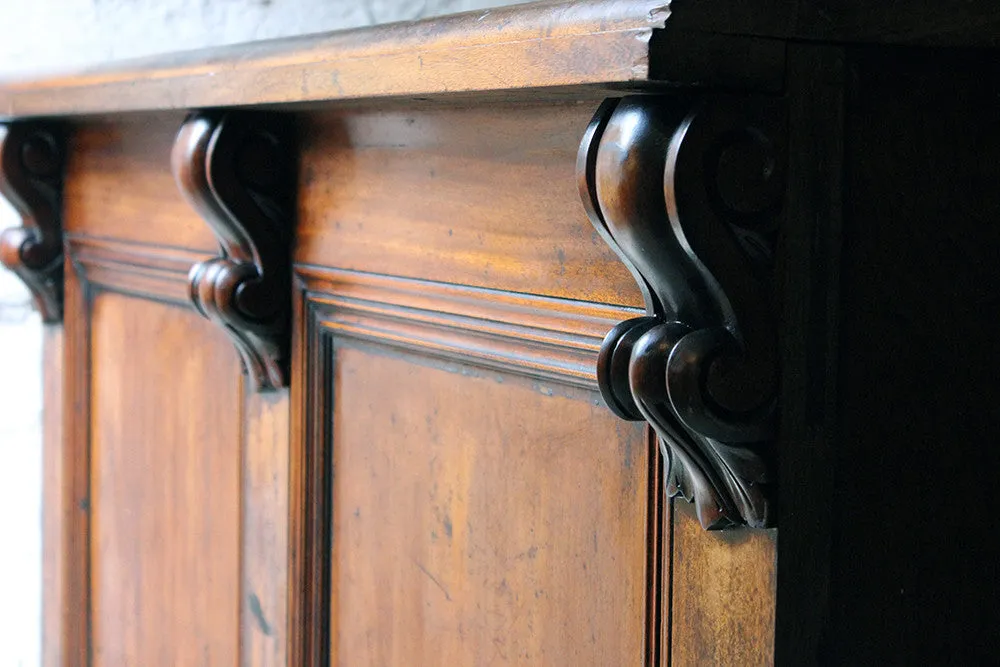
(236, 170)
(689, 195)
(31, 176)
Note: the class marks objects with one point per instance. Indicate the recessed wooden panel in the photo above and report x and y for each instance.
(480, 517)
(165, 487)
(479, 195)
(119, 184)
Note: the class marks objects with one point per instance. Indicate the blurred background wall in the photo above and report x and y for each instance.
(42, 36)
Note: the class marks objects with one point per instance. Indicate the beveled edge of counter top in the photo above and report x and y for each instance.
(537, 45)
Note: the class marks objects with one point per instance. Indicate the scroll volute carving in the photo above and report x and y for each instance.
(31, 177)
(689, 195)
(236, 169)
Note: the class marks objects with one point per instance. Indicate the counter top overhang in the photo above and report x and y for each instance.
(556, 46)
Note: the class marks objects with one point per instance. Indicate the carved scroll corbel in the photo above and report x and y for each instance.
(31, 178)
(689, 196)
(236, 170)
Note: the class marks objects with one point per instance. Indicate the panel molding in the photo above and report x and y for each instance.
(545, 338)
(151, 272)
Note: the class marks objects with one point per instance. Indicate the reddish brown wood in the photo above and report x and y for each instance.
(558, 44)
(723, 590)
(74, 615)
(504, 214)
(164, 568)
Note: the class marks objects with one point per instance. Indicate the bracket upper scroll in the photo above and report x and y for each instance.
(32, 156)
(689, 194)
(236, 170)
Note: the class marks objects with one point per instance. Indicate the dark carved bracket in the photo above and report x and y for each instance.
(31, 177)
(689, 195)
(236, 170)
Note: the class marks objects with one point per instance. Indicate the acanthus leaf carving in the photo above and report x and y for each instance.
(689, 194)
(236, 171)
(31, 177)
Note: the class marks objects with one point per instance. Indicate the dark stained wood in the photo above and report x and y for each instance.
(723, 587)
(809, 270)
(31, 178)
(915, 563)
(689, 199)
(237, 170)
(165, 488)
(537, 46)
(504, 211)
(967, 23)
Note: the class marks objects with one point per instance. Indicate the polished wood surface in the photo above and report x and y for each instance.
(237, 170)
(722, 607)
(505, 212)
(119, 171)
(415, 387)
(427, 571)
(441, 481)
(265, 542)
(165, 489)
(557, 44)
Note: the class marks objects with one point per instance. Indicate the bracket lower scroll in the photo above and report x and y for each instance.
(235, 169)
(689, 196)
(31, 178)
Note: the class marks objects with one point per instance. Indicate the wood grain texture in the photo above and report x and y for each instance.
(536, 45)
(469, 195)
(464, 535)
(165, 478)
(723, 587)
(119, 170)
(264, 546)
(74, 495)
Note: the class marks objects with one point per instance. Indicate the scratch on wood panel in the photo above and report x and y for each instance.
(430, 576)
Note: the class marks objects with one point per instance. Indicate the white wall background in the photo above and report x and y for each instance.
(39, 36)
